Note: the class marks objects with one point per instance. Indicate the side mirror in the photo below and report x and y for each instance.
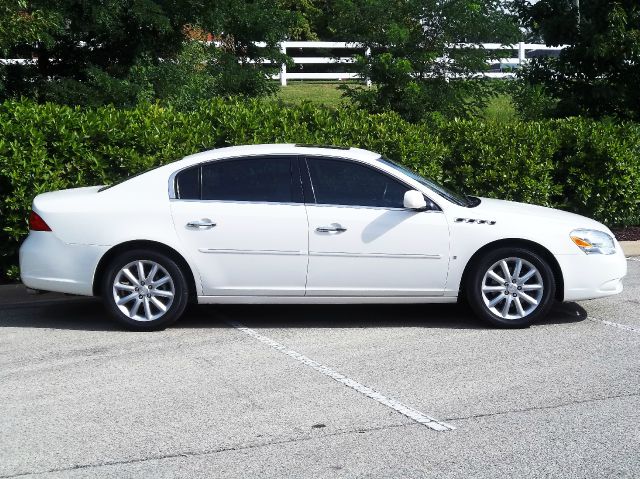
(414, 200)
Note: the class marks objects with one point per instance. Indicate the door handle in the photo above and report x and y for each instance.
(333, 228)
(201, 224)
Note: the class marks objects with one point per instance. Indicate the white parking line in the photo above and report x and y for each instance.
(626, 327)
(411, 413)
(633, 258)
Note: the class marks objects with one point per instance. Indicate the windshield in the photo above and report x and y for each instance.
(452, 196)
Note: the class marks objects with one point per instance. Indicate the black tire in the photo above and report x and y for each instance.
(479, 301)
(177, 286)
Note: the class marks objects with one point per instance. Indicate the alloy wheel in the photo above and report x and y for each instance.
(512, 288)
(143, 290)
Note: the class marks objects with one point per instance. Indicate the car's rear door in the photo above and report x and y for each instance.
(243, 223)
(362, 241)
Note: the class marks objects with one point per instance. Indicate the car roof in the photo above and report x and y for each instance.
(279, 149)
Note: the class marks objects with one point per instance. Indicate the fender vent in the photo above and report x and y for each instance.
(473, 220)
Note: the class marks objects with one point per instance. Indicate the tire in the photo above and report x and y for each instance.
(523, 300)
(143, 310)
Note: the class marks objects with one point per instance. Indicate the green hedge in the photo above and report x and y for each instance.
(579, 165)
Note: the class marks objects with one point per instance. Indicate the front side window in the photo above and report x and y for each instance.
(343, 182)
(452, 196)
(259, 179)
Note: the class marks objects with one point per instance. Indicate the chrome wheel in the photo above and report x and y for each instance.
(143, 290)
(512, 288)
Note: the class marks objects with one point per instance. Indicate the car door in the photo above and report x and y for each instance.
(243, 223)
(362, 242)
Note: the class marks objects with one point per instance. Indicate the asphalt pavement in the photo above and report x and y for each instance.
(321, 391)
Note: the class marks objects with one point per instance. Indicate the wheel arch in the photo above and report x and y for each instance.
(518, 243)
(155, 246)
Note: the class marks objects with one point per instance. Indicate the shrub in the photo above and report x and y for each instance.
(508, 161)
(597, 170)
(581, 165)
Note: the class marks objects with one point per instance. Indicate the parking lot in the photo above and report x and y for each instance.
(322, 391)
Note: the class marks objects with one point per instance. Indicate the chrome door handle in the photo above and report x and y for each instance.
(201, 224)
(333, 228)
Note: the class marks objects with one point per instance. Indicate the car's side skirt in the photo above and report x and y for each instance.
(325, 299)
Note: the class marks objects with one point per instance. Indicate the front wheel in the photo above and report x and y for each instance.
(511, 287)
(145, 290)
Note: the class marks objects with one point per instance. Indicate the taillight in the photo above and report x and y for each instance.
(36, 223)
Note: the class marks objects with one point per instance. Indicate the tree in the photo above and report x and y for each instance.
(413, 65)
(20, 24)
(598, 73)
(306, 14)
(118, 51)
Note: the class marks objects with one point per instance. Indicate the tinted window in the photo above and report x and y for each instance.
(441, 190)
(188, 184)
(338, 182)
(248, 179)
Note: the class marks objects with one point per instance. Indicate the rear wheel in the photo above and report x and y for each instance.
(145, 290)
(511, 287)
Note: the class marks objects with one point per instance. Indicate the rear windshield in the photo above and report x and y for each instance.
(119, 182)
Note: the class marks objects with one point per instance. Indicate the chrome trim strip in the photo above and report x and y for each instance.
(239, 202)
(384, 208)
(251, 251)
(375, 255)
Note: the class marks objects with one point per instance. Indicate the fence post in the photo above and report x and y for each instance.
(521, 53)
(283, 67)
(367, 53)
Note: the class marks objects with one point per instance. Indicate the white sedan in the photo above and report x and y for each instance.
(309, 224)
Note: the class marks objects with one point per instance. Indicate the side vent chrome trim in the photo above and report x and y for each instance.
(473, 220)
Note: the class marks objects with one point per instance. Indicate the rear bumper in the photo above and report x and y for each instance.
(48, 264)
(592, 276)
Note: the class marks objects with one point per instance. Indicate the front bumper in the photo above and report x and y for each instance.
(49, 264)
(592, 276)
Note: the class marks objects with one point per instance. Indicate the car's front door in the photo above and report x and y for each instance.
(244, 225)
(362, 242)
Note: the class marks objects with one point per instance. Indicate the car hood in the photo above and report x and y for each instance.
(492, 209)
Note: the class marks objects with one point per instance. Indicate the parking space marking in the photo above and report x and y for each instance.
(633, 258)
(408, 411)
(615, 325)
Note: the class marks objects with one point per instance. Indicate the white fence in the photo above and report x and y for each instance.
(501, 67)
(505, 66)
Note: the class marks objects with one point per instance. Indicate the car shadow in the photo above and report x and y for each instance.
(88, 314)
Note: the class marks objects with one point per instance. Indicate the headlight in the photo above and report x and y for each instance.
(593, 241)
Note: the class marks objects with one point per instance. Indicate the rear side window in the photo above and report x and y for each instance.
(263, 179)
(188, 184)
(343, 182)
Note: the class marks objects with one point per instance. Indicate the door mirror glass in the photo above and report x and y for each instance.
(414, 200)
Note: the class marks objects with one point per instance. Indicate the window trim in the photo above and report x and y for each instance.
(309, 184)
(296, 182)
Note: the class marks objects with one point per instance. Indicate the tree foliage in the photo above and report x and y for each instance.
(21, 24)
(413, 66)
(118, 51)
(598, 73)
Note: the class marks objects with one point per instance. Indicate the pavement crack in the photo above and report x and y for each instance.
(189, 454)
(542, 408)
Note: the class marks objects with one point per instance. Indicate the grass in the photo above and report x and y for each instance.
(500, 108)
(316, 92)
